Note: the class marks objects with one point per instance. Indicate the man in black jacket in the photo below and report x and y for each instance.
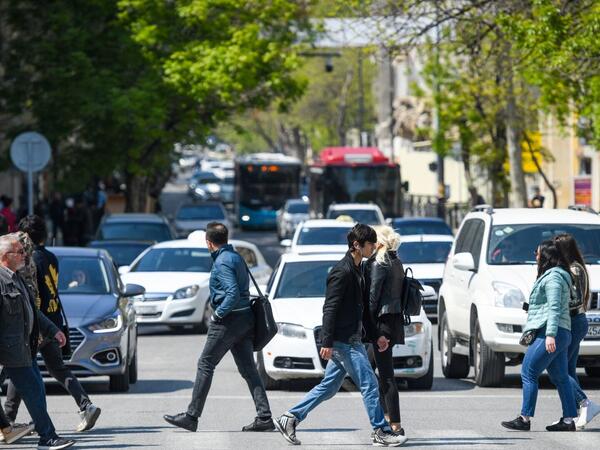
(46, 268)
(342, 335)
(20, 326)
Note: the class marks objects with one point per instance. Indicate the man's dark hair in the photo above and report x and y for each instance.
(217, 233)
(3, 226)
(361, 233)
(35, 227)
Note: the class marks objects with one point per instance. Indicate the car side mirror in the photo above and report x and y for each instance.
(286, 243)
(464, 261)
(124, 269)
(389, 221)
(133, 290)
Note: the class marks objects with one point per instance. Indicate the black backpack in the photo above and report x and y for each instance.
(411, 296)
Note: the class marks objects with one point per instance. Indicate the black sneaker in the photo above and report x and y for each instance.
(54, 444)
(182, 420)
(382, 438)
(286, 425)
(561, 425)
(518, 424)
(260, 425)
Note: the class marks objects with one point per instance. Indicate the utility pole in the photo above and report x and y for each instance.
(438, 138)
(361, 98)
(392, 95)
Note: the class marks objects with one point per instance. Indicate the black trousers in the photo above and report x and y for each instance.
(4, 422)
(52, 355)
(388, 391)
(234, 332)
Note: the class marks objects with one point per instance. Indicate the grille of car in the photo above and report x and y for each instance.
(595, 300)
(155, 297)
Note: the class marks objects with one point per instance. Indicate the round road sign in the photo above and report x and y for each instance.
(30, 151)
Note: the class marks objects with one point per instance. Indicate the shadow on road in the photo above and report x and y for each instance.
(159, 386)
(440, 442)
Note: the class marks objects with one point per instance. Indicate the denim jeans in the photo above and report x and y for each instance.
(536, 360)
(348, 359)
(52, 354)
(233, 332)
(28, 381)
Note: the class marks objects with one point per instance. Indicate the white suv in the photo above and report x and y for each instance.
(490, 272)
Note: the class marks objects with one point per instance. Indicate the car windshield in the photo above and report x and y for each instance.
(200, 212)
(367, 216)
(135, 230)
(82, 275)
(298, 208)
(408, 228)
(304, 279)
(424, 252)
(207, 180)
(123, 254)
(174, 260)
(323, 236)
(516, 244)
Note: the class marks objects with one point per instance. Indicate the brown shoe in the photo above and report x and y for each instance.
(16, 432)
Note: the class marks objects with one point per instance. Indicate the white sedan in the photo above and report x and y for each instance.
(320, 236)
(176, 274)
(297, 294)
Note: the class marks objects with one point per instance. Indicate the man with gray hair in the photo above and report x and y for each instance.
(20, 325)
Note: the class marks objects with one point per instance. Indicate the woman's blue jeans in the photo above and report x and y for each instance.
(536, 360)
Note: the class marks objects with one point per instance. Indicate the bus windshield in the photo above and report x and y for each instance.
(267, 186)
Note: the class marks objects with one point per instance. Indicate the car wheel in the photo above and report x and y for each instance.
(133, 368)
(488, 364)
(426, 381)
(453, 365)
(269, 383)
(119, 383)
(592, 371)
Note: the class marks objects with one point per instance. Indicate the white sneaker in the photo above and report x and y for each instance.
(587, 413)
(88, 417)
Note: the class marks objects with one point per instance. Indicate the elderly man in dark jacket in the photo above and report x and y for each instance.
(20, 325)
(342, 336)
(231, 328)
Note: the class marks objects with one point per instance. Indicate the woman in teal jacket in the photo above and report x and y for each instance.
(548, 315)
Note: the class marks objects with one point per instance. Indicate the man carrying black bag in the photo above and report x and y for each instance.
(231, 328)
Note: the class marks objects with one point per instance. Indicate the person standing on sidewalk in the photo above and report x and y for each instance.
(342, 334)
(579, 325)
(548, 319)
(231, 328)
(20, 326)
(44, 278)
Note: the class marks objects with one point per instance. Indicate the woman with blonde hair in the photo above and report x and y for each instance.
(385, 308)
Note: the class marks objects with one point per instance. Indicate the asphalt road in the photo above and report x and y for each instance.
(454, 414)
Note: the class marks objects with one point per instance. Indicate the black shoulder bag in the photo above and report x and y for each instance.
(412, 299)
(265, 327)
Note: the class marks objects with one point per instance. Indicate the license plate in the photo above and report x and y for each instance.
(145, 309)
(593, 331)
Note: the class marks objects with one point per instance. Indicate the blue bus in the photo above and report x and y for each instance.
(263, 183)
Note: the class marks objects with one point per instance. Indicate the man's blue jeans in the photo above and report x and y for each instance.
(348, 359)
(30, 385)
(536, 360)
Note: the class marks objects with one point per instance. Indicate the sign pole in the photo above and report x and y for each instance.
(29, 179)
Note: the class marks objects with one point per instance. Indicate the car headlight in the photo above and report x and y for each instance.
(201, 192)
(291, 330)
(108, 325)
(186, 292)
(507, 296)
(413, 329)
(213, 188)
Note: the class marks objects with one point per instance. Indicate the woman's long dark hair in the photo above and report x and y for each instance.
(567, 245)
(550, 256)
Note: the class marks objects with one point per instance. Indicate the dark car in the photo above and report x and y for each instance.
(420, 225)
(101, 316)
(133, 226)
(122, 252)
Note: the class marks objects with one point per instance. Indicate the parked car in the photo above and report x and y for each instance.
(176, 274)
(297, 293)
(489, 274)
(135, 226)
(426, 256)
(101, 316)
(406, 226)
(293, 213)
(204, 186)
(195, 216)
(367, 213)
(319, 236)
(122, 252)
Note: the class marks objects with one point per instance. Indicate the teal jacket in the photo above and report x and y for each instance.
(549, 302)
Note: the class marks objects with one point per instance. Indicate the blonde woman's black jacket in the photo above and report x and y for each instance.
(343, 308)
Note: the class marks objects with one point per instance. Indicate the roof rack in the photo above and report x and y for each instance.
(583, 208)
(488, 209)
